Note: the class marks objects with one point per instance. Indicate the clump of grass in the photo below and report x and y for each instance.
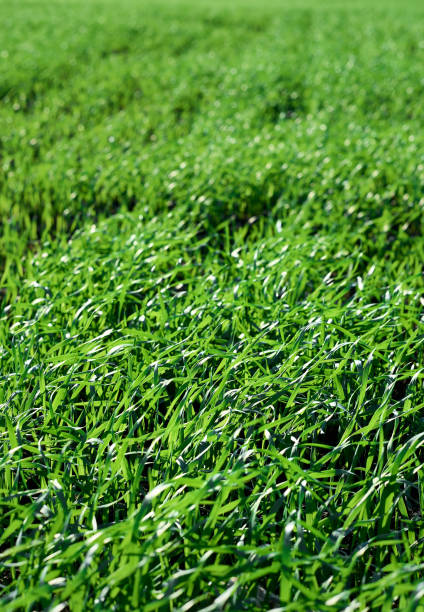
(211, 337)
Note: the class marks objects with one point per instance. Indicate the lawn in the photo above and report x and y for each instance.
(211, 305)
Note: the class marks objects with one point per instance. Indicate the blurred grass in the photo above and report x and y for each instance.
(99, 105)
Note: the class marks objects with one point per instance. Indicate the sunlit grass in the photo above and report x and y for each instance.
(211, 336)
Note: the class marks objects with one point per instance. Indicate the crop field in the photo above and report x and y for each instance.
(211, 305)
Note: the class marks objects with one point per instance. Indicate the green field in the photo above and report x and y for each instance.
(212, 305)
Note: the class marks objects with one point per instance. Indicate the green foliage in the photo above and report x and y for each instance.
(211, 337)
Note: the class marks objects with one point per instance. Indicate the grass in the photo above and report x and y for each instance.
(211, 334)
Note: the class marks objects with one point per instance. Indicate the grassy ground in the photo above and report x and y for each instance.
(211, 334)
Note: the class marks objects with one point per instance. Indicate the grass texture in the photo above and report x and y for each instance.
(211, 327)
